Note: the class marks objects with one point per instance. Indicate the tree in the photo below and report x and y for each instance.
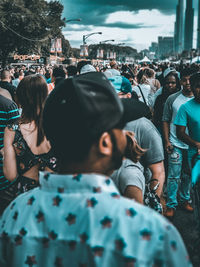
(26, 26)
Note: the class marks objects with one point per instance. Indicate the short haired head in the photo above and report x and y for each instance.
(58, 72)
(71, 70)
(186, 72)
(5, 75)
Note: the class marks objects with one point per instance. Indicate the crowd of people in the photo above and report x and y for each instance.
(93, 158)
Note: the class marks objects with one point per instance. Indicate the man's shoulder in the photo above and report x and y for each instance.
(186, 106)
(173, 97)
(139, 123)
(6, 103)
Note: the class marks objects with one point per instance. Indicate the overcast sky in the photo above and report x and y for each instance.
(136, 23)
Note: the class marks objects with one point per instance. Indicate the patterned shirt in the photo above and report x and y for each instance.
(81, 220)
(9, 113)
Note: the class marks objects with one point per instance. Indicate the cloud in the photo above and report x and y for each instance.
(126, 25)
(77, 28)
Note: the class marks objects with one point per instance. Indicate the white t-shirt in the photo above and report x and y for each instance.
(171, 109)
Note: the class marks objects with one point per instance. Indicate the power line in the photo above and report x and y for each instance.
(26, 38)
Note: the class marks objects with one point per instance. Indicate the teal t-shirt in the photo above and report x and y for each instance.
(189, 115)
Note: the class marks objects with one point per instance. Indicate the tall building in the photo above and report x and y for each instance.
(189, 24)
(179, 27)
(165, 46)
(198, 27)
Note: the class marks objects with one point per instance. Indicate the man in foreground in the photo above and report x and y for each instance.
(77, 217)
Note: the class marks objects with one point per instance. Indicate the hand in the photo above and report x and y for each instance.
(198, 147)
(168, 147)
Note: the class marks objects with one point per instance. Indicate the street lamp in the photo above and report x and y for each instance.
(102, 42)
(69, 20)
(88, 35)
(120, 44)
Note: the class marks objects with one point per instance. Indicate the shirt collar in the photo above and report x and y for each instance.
(79, 183)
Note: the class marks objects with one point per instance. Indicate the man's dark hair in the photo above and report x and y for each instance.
(186, 72)
(71, 70)
(58, 72)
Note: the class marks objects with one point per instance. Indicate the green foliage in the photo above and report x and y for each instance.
(33, 19)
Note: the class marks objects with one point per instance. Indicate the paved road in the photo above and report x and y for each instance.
(186, 223)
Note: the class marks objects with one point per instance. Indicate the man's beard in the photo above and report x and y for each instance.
(117, 155)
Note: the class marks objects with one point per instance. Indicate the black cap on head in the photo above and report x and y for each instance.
(83, 105)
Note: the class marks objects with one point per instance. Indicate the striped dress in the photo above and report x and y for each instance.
(9, 113)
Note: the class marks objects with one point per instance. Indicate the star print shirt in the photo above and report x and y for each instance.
(81, 220)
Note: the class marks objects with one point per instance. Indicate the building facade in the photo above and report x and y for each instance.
(189, 25)
(179, 28)
(198, 27)
(165, 46)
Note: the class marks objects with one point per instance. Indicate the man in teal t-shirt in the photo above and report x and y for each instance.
(189, 116)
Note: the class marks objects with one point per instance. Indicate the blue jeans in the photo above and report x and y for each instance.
(178, 176)
(191, 153)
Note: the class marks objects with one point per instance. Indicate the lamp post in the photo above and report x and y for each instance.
(103, 42)
(69, 20)
(88, 35)
(120, 44)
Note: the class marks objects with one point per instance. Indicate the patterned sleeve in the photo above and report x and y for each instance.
(174, 251)
(13, 114)
(181, 117)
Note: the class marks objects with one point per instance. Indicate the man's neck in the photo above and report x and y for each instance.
(187, 94)
(84, 167)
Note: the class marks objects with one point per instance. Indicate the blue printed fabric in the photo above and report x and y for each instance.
(81, 220)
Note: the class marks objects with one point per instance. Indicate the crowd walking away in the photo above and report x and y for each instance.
(98, 163)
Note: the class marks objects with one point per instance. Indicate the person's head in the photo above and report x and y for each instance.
(71, 70)
(113, 64)
(171, 84)
(31, 94)
(82, 120)
(129, 77)
(141, 77)
(81, 64)
(150, 73)
(87, 68)
(195, 85)
(21, 74)
(122, 86)
(58, 73)
(5, 76)
(185, 80)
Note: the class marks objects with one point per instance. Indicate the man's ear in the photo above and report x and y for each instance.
(105, 144)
